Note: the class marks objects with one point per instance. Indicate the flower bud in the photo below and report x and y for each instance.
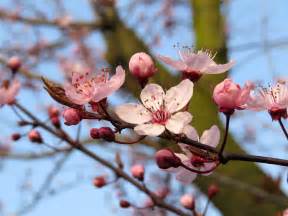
(187, 201)
(35, 136)
(14, 63)
(138, 172)
(162, 192)
(94, 133)
(124, 204)
(71, 116)
(106, 133)
(53, 111)
(142, 66)
(56, 121)
(15, 136)
(229, 95)
(165, 159)
(213, 189)
(99, 181)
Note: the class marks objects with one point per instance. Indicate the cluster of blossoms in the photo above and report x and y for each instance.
(160, 113)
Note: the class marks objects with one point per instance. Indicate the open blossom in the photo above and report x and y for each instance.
(273, 99)
(88, 87)
(209, 137)
(195, 64)
(8, 92)
(159, 110)
(229, 95)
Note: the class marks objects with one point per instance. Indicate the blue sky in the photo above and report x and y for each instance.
(248, 21)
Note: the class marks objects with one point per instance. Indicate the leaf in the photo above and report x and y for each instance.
(58, 93)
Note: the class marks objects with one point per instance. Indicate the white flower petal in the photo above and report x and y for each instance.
(218, 68)
(198, 61)
(191, 132)
(133, 113)
(152, 96)
(178, 96)
(149, 129)
(211, 137)
(178, 121)
(178, 65)
(185, 176)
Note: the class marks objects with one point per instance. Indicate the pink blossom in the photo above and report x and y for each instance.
(229, 95)
(141, 65)
(159, 111)
(285, 212)
(187, 201)
(8, 92)
(194, 64)
(273, 99)
(209, 137)
(87, 87)
(14, 63)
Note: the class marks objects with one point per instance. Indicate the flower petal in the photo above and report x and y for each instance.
(149, 129)
(191, 132)
(178, 65)
(178, 121)
(197, 61)
(133, 113)
(152, 96)
(185, 176)
(103, 90)
(178, 96)
(76, 97)
(211, 137)
(218, 68)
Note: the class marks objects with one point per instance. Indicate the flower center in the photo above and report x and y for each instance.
(160, 117)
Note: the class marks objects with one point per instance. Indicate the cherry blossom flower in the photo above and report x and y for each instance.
(195, 64)
(87, 87)
(159, 110)
(8, 92)
(274, 99)
(229, 95)
(209, 137)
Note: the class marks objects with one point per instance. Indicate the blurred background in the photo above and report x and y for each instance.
(52, 36)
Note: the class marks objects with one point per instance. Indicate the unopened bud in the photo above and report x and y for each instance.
(35, 136)
(99, 181)
(15, 136)
(213, 190)
(14, 63)
(142, 67)
(138, 172)
(187, 201)
(53, 111)
(165, 159)
(56, 121)
(124, 204)
(162, 192)
(107, 133)
(71, 116)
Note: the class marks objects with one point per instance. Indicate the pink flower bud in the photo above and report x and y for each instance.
(35, 136)
(142, 66)
(138, 172)
(165, 159)
(14, 63)
(53, 111)
(56, 121)
(99, 181)
(106, 133)
(213, 189)
(162, 192)
(71, 116)
(124, 204)
(187, 201)
(94, 133)
(15, 136)
(229, 95)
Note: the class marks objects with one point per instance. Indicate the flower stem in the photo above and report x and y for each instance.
(225, 136)
(283, 128)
